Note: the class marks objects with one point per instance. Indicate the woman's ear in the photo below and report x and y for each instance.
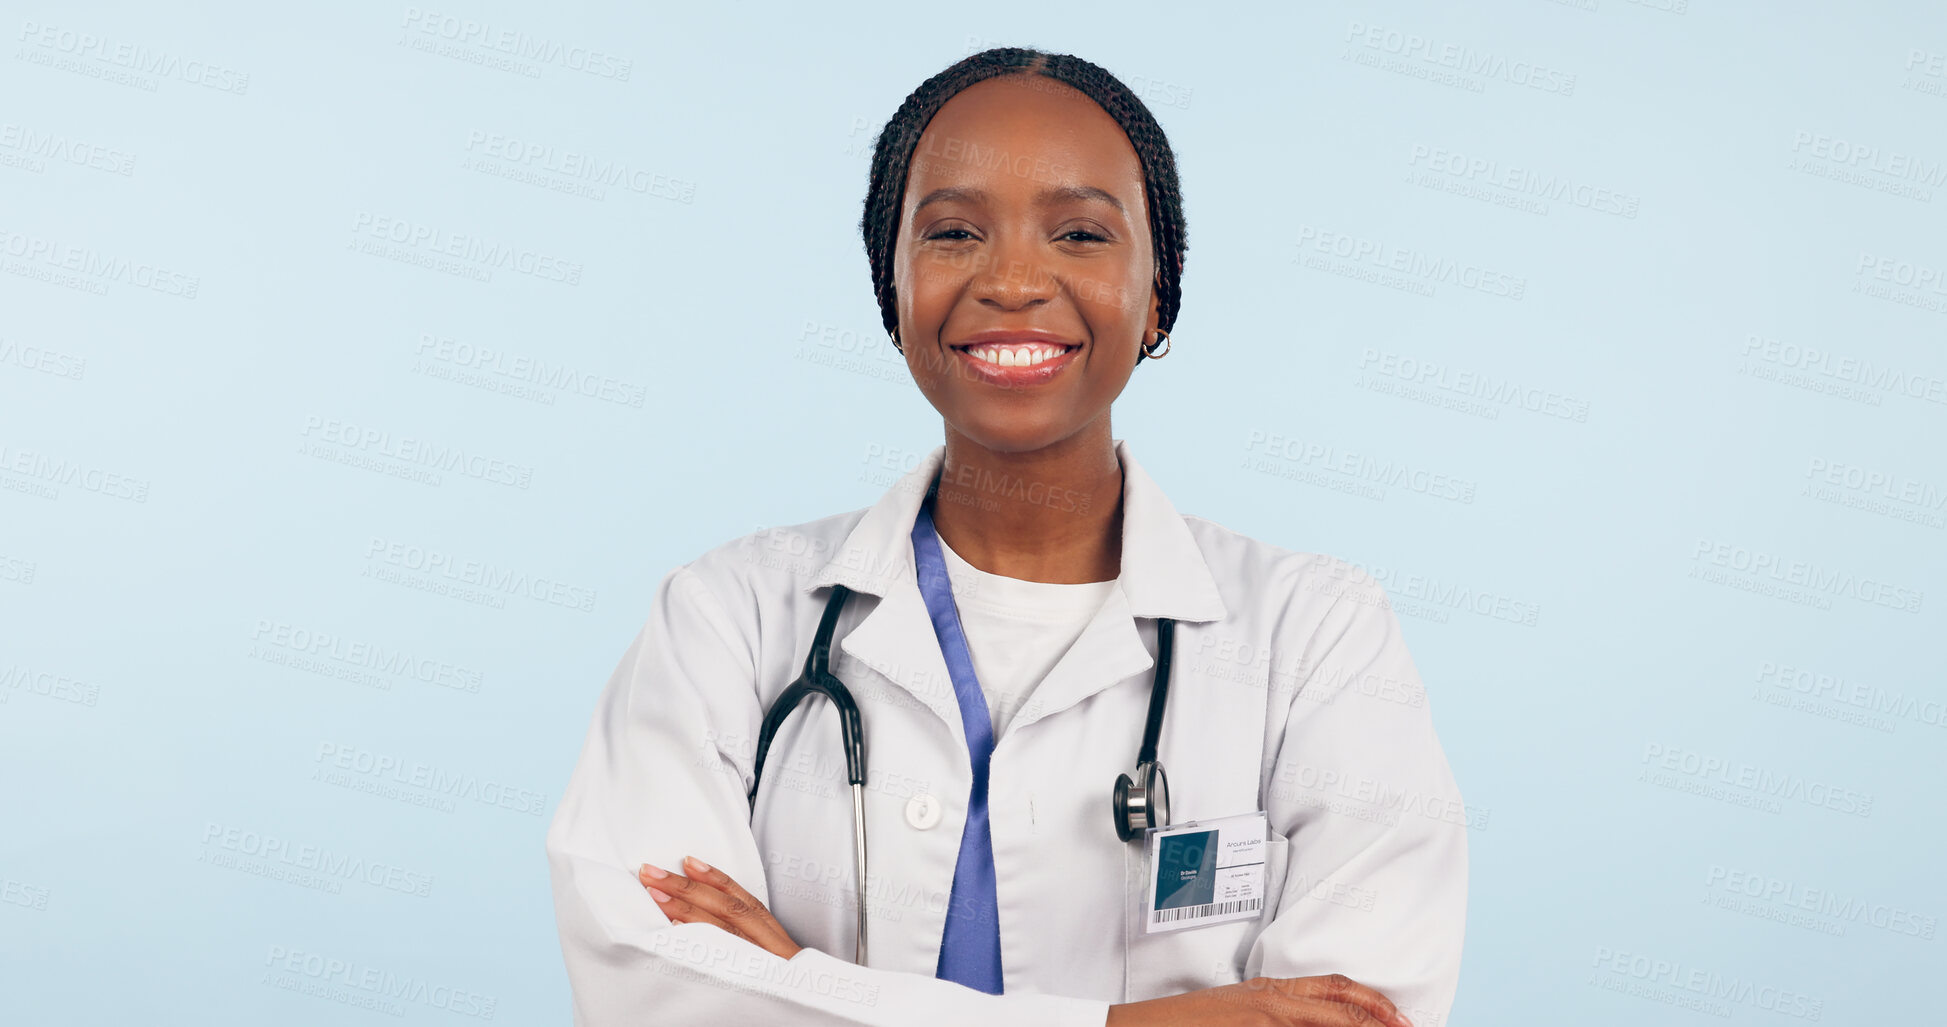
(1152, 322)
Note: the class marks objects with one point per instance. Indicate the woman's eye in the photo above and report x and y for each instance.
(961, 234)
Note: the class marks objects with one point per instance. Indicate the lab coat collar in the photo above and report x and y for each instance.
(1164, 574)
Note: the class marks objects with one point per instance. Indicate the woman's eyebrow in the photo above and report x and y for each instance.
(1046, 197)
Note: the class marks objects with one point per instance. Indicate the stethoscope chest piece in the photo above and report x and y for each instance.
(1141, 806)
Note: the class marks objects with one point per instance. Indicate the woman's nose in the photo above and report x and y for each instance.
(1013, 275)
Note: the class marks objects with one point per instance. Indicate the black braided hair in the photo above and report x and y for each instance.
(892, 155)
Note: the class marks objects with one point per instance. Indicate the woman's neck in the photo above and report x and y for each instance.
(1052, 515)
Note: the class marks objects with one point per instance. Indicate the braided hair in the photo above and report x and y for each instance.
(892, 155)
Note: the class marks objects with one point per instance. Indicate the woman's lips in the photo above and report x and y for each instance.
(1019, 374)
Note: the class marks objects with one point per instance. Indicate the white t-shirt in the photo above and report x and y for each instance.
(1017, 630)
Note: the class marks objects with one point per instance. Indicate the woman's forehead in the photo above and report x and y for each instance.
(1023, 134)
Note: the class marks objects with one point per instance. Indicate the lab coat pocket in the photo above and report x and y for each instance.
(1174, 962)
(1277, 860)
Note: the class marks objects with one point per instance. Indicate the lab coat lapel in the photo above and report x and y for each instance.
(1109, 650)
(1163, 575)
(896, 637)
(897, 640)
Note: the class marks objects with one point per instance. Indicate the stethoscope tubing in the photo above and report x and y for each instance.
(817, 679)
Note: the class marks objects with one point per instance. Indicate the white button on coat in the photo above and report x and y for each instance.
(1291, 691)
(922, 811)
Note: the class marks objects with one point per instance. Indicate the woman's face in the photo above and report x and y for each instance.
(1023, 268)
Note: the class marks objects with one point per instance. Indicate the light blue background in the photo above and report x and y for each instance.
(736, 309)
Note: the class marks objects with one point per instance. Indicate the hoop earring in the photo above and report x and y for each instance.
(894, 336)
(1163, 339)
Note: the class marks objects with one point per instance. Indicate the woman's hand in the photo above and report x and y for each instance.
(1334, 1000)
(709, 896)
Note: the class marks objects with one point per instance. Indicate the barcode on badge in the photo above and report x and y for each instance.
(1164, 916)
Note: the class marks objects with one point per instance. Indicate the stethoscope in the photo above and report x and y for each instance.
(1140, 803)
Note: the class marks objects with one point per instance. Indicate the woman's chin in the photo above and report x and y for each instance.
(1003, 431)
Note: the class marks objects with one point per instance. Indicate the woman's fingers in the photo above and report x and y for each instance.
(1365, 1005)
(743, 909)
(1329, 1001)
(710, 896)
(1325, 1013)
(670, 892)
(743, 905)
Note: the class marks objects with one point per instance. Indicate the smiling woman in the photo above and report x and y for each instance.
(1023, 225)
(1004, 620)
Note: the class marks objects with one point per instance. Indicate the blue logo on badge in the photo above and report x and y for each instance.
(1186, 869)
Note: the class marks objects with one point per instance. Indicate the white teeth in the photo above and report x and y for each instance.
(1015, 356)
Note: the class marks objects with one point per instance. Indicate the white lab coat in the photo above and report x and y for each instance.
(1291, 691)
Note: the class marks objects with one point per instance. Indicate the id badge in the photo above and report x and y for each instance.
(1205, 872)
